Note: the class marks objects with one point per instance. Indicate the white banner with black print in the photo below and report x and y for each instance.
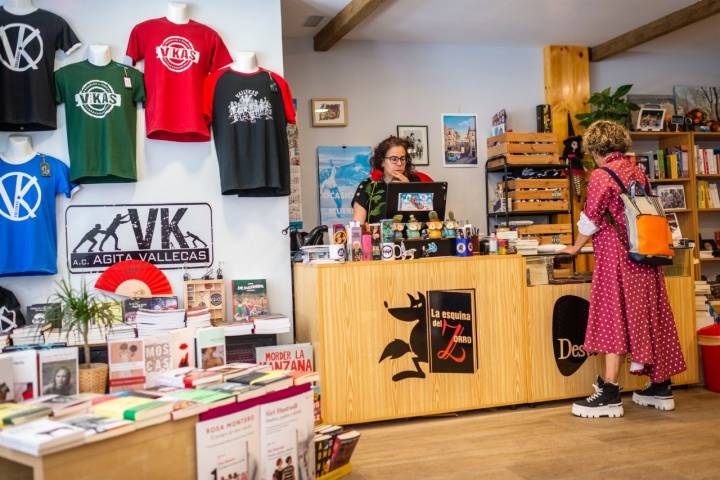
(168, 235)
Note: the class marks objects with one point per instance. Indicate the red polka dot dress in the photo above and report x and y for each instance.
(629, 307)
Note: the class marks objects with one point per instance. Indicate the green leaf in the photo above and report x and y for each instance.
(622, 91)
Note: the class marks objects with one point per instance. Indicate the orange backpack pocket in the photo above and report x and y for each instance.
(654, 237)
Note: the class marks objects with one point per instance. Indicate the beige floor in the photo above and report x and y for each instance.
(548, 442)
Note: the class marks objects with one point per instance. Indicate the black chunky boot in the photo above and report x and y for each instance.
(605, 402)
(656, 395)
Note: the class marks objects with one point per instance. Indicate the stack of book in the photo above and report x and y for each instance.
(707, 161)
(233, 329)
(334, 447)
(65, 405)
(707, 195)
(525, 247)
(198, 318)
(28, 335)
(272, 323)
(706, 254)
(153, 322)
(188, 377)
(19, 413)
(703, 317)
(42, 437)
(121, 331)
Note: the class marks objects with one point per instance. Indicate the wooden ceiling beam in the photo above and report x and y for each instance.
(348, 18)
(662, 26)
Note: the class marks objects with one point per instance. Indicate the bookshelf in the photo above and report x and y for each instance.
(695, 222)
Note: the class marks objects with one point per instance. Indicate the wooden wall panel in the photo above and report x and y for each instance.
(567, 88)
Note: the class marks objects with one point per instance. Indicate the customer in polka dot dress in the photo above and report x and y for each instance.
(629, 308)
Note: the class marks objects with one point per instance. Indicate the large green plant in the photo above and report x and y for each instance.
(608, 106)
(80, 311)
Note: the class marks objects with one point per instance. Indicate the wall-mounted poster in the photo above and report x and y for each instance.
(459, 140)
(168, 235)
(340, 171)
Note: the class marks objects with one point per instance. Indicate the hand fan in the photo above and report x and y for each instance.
(134, 279)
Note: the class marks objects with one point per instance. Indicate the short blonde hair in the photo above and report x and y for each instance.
(605, 137)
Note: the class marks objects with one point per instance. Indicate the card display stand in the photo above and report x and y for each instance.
(209, 294)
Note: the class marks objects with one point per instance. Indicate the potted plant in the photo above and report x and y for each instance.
(80, 311)
(608, 106)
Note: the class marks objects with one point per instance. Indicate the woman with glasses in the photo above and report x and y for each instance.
(390, 163)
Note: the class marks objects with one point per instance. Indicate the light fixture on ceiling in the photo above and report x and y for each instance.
(313, 21)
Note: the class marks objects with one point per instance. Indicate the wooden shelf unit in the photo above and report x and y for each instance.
(693, 223)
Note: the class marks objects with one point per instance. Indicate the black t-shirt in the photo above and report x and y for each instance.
(249, 114)
(10, 314)
(27, 59)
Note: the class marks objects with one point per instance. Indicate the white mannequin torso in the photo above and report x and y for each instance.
(178, 13)
(19, 7)
(245, 62)
(19, 150)
(99, 55)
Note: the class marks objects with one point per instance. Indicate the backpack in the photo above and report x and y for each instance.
(648, 231)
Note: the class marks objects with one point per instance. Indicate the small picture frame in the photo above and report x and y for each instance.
(417, 137)
(650, 120)
(708, 244)
(329, 112)
(677, 123)
(672, 197)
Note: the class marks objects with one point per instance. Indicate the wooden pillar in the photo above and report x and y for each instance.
(567, 88)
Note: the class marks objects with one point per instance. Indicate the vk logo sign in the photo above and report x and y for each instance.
(21, 196)
(21, 47)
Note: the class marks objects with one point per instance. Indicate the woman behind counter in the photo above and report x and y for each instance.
(390, 163)
(629, 308)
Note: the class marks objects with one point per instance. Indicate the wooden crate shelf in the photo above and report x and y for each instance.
(523, 149)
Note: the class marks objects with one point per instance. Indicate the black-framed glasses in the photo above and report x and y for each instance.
(395, 159)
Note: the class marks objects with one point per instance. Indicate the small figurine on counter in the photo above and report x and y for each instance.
(413, 228)
(398, 226)
(434, 226)
(451, 225)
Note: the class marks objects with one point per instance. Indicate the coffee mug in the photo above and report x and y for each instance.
(337, 252)
(387, 251)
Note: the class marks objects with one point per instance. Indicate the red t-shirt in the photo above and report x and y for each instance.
(177, 57)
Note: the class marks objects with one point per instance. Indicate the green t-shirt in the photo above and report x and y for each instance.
(101, 120)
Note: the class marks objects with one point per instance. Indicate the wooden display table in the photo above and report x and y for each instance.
(343, 310)
(162, 451)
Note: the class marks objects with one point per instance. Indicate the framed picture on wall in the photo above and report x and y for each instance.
(459, 140)
(329, 112)
(417, 137)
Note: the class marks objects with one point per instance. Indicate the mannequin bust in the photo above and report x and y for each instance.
(178, 13)
(99, 55)
(19, 7)
(19, 149)
(245, 62)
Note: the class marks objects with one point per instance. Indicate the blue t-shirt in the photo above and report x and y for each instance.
(28, 229)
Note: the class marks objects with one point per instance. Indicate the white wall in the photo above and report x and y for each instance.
(412, 84)
(246, 231)
(654, 72)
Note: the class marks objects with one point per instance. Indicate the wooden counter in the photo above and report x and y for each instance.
(342, 309)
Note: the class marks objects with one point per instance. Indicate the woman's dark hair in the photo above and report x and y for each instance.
(376, 161)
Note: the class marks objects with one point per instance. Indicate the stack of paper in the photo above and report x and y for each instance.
(153, 322)
(198, 318)
(272, 323)
(525, 247)
(41, 437)
(702, 312)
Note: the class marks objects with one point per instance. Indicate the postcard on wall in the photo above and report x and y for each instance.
(459, 140)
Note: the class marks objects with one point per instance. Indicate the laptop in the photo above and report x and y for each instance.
(417, 199)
